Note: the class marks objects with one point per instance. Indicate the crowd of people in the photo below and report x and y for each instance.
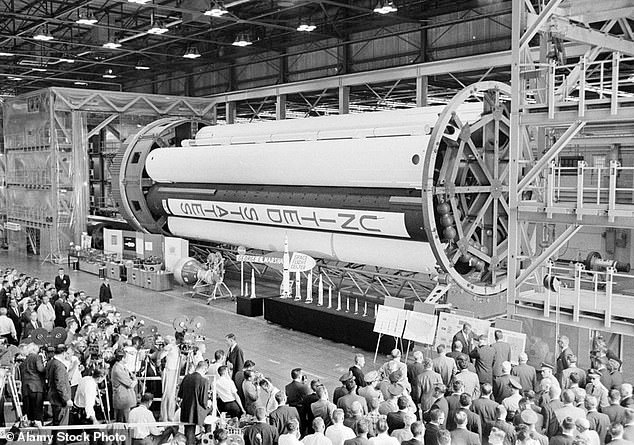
(108, 368)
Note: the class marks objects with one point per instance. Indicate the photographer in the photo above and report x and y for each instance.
(250, 389)
(87, 396)
(123, 384)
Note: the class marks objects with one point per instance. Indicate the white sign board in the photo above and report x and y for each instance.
(450, 324)
(420, 327)
(390, 321)
(517, 340)
(300, 262)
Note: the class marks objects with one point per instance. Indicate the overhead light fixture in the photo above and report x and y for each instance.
(191, 53)
(80, 83)
(43, 35)
(139, 2)
(14, 78)
(109, 74)
(66, 60)
(385, 7)
(141, 66)
(2, 54)
(306, 27)
(39, 70)
(216, 10)
(242, 40)
(86, 18)
(157, 28)
(112, 45)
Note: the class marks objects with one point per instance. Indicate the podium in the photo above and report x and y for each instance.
(250, 307)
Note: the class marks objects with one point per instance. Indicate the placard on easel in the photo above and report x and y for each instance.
(420, 328)
(389, 321)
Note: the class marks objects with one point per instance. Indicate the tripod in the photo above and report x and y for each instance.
(7, 379)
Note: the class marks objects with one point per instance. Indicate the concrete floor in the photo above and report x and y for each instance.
(274, 349)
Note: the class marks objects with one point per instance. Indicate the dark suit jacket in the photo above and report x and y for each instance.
(236, 358)
(63, 310)
(412, 442)
(467, 343)
(280, 417)
(295, 393)
(105, 293)
(442, 405)
(485, 408)
(4, 298)
(501, 388)
(502, 354)
(464, 437)
(484, 358)
(600, 423)
(431, 434)
(560, 439)
(194, 392)
(359, 376)
(15, 318)
(509, 431)
(526, 375)
(563, 361)
(58, 383)
(32, 373)
(62, 283)
(395, 421)
(268, 433)
(616, 413)
(357, 441)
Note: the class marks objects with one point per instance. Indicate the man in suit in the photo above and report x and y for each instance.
(418, 433)
(33, 383)
(413, 371)
(502, 383)
(63, 310)
(194, 395)
(614, 411)
(297, 389)
(62, 281)
(357, 370)
(525, 373)
(105, 293)
(32, 325)
(444, 365)
(461, 435)
(484, 406)
(484, 356)
(474, 424)
(283, 414)
(436, 420)
(567, 434)
(4, 293)
(599, 422)
(345, 402)
(563, 360)
(260, 433)
(465, 337)
(423, 387)
(502, 352)
(235, 356)
(59, 393)
(396, 420)
(501, 424)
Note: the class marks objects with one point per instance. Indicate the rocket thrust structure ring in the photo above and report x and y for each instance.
(465, 190)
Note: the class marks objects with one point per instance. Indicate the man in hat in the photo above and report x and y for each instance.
(341, 391)
(371, 391)
(595, 388)
(59, 392)
(423, 387)
(572, 369)
(395, 364)
(390, 404)
(529, 418)
(525, 373)
(394, 378)
(547, 374)
(345, 402)
(484, 356)
(512, 402)
(501, 383)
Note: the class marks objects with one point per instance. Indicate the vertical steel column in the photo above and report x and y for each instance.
(422, 86)
(280, 107)
(80, 174)
(230, 112)
(515, 150)
(344, 100)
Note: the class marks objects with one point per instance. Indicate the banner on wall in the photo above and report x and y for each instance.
(113, 241)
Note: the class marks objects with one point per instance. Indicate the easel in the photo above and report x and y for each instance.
(393, 312)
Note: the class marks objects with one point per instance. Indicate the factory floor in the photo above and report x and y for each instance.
(274, 349)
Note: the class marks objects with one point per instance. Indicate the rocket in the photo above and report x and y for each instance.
(286, 275)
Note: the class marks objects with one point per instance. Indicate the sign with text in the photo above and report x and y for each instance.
(420, 327)
(450, 324)
(390, 321)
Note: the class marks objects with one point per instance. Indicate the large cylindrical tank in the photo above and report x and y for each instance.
(408, 190)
